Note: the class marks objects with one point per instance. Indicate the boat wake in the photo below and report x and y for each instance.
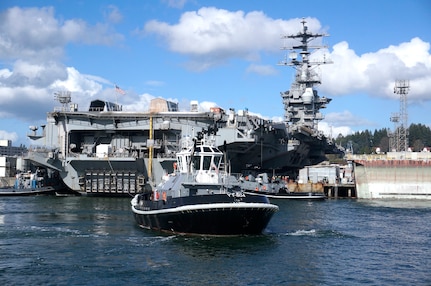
(317, 233)
(149, 241)
(56, 231)
(301, 232)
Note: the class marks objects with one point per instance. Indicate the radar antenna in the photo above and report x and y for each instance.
(64, 97)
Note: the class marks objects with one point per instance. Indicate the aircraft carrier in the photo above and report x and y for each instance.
(107, 151)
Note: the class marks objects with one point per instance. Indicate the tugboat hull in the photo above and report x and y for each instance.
(222, 217)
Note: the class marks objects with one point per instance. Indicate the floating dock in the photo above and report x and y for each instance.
(395, 175)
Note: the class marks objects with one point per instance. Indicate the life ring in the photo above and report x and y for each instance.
(175, 166)
(156, 195)
(164, 196)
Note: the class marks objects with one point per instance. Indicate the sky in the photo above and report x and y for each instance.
(221, 53)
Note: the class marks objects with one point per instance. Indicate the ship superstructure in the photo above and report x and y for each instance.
(302, 104)
(108, 151)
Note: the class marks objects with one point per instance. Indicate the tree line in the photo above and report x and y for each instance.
(366, 142)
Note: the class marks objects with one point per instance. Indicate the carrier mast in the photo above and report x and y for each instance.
(302, 103)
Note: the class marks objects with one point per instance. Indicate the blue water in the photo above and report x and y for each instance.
(94, 241)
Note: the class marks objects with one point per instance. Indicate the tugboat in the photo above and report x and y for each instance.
(201, 197)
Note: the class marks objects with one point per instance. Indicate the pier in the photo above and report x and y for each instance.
(334, 180)
(346, 190)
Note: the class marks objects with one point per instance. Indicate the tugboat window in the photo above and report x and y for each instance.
(217, 161)
(207, 149)
(196, 162)
(207, 162)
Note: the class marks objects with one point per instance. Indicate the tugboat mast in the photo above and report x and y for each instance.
(302, 103)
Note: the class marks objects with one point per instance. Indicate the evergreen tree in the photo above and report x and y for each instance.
(365, 142)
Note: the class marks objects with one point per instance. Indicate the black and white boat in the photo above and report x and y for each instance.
(201, 197)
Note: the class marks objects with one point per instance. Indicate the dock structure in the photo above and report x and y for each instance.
(336, 181)
(395, 175)
(340, 190)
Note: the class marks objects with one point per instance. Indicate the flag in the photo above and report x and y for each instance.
(119, 90)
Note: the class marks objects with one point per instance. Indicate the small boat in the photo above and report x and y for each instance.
(48, 190)
(201, 197)
(31, 184)
(291, 195)
(275, 189)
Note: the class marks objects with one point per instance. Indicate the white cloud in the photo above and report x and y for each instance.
(412, 54)
(345, 118)
(211, 36)
(24, 102)
(113, 14)
(78, 83)
(35, 74)
(179, 4)
(262, 69)
(33, 40)
(34, 34)
(141, 104)
(375, 73)
(343, 122)
(333, 131)
(25, 33)
(13, 136)
(4, 74)
(206, 105)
